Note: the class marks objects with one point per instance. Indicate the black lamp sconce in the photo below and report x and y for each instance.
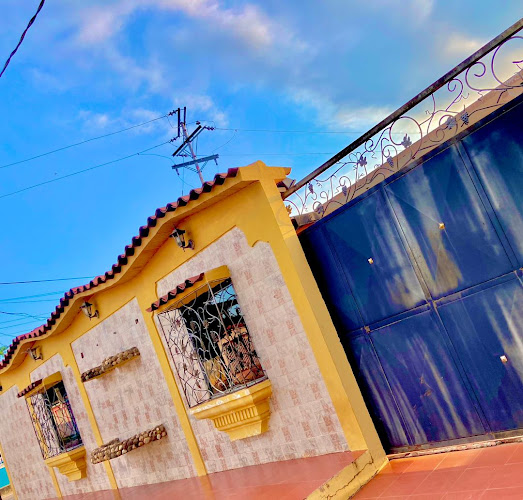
(179, 236)
(89, 310)
(36, 353)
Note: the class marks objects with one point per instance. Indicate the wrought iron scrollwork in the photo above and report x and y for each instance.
(53, 421)
(209, 343)
(443, 112)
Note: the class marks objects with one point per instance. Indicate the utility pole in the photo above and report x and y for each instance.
(189, 143)
(186, 147)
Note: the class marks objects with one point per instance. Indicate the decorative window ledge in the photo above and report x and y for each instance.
(241, 414)
(71, 463)
(117, 448)
(111, 363)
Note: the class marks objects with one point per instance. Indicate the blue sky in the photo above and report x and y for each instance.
(90, 68)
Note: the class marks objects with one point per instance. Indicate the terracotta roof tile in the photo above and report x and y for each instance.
(29, 388)
(174, 292)
(122, 261)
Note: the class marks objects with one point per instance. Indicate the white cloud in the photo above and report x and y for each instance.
(47, 81)
(339, 114)
(95, 123)
(360, 118)
(422, 8)
(202, 104)
(416, 11)
(244, 33)
(199, 106)
(248, 23)
(458, 44)
(133, 74)
(101, 23)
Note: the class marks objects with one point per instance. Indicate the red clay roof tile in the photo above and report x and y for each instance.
(174, 292)
(29, 388)
(122, 260)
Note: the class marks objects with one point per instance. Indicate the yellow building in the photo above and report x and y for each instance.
(197, 354)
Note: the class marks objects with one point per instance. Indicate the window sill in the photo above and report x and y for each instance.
(241, 414)
(71, 463)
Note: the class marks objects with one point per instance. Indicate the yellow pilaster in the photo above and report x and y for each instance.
(145, 299)
(69, 360)
(350, 407)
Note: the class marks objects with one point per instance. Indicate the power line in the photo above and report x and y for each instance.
(17, 321)
(44, 281)
(13, 334)
(84, 142)
(81, 171)
(22, 37)
(46, 294)
(20, 314)
(27, 301)
(281, 131)
(273, 154)
(19, 324)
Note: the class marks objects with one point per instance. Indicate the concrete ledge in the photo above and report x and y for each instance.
(241, 414)
(71, 464)
(350, 479)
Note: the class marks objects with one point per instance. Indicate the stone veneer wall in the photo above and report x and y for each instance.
(29, 474)
(133, 398)
(96, 476)
(303, 421)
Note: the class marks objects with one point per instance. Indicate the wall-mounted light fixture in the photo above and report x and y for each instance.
(89, 310)
(36, 353)
(179, 236)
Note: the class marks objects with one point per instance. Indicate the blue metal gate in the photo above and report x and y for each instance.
(422, 276)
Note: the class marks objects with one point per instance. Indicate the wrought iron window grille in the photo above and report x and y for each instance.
(210, 344)
(53, 421)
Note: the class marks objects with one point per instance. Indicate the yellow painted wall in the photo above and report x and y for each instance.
(251, 202)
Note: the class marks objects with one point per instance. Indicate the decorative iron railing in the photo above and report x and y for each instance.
(430, 119)
(209, 343)
(53, 421)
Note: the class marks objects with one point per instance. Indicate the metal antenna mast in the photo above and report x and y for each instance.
(186, 148)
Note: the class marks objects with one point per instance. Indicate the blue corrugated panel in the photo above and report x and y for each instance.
(447, 226)
(374, 260)
(484, 326)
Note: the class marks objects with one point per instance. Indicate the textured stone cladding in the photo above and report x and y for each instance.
(30, 475)
(96, 476)
(132, 398)
(303, 422)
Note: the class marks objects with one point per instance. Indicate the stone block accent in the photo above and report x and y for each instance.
(128, 400)
(111, 363)
(303, 421)
(117, 448)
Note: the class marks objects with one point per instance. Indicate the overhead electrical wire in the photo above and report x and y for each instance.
(10, 313)
(45, 294)
(83, 142)
(31, 21)
(81, 171)
(44, 281)
(273, 154)
(27, 301)
(281, 131)
(18, 321)
(12, 335)
(19, 324)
